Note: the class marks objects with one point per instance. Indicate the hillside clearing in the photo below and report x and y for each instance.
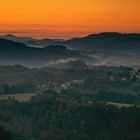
(120, 105)
(20, 97)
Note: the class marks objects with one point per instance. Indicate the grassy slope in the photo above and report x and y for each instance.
(20, 97)
(120, 105)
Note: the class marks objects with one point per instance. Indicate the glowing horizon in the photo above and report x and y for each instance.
(66, 19)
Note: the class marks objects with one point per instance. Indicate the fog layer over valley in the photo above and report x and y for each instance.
(110, 49)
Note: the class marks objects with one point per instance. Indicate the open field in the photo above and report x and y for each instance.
(120, 105)
(20, 97)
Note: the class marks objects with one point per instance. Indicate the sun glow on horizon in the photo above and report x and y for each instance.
(65, 19)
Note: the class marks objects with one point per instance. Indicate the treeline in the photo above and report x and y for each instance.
(98, 83)
(16, 89)
(19, 79)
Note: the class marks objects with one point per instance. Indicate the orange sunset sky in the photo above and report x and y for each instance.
(68, 18)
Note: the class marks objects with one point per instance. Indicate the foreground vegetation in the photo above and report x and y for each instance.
(58, 116)
(82, 103)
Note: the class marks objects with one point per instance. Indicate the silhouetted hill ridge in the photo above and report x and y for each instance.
(104, 41)
(17, 53)
(15, 38)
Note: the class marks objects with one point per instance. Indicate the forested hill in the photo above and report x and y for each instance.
(18, 53)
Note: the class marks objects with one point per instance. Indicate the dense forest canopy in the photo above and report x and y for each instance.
(60, 116)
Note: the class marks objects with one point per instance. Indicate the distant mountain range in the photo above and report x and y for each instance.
(94, 42)
(15, 38)
(106, 41)
(32, 41)
(99, 49)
